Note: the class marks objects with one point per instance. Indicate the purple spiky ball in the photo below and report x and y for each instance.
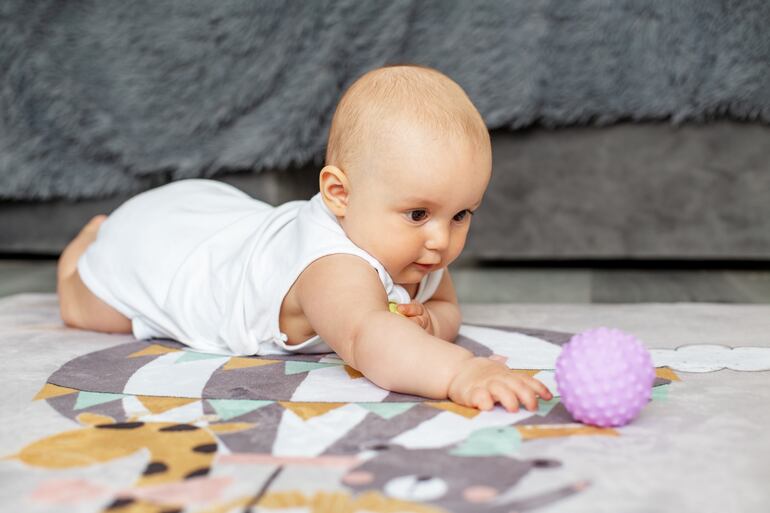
(604, 377)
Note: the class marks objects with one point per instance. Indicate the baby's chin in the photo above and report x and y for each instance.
(409, 276)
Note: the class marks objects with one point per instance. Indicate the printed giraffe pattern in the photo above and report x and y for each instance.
(176, 451)
(193, 413)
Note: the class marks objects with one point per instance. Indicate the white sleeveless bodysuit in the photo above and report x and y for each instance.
(202, 262)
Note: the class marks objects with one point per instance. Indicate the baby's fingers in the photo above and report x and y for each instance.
(481, 399)
(525, 394)
(504, 395)
(410, 309)
(539, 388)
(417, 319)
(527, 398)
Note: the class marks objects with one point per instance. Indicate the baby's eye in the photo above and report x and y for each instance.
(417, 215)
(460, 216)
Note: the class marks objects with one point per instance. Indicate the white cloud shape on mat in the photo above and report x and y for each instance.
(522, 351)
(528, 352)
(709, 358)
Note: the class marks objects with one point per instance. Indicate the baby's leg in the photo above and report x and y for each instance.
(79, 307)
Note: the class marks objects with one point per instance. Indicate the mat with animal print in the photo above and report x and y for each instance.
(150, 426)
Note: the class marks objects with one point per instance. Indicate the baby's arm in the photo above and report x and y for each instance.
(345, 303)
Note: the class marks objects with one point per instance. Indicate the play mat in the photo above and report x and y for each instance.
(106, 423)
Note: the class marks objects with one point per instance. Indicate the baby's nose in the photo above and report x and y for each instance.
(438, 238)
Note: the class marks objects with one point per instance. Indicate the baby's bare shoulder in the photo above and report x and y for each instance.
(342, 274)
(336, 293)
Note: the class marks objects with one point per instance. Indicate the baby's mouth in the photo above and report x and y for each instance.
(424, 267)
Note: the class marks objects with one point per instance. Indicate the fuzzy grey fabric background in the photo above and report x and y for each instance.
(98, 96)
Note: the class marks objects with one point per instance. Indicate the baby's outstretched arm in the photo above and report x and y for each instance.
(343, 299)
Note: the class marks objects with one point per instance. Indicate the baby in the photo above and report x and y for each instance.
(407, 163)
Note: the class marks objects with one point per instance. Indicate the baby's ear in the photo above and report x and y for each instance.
(334, 187)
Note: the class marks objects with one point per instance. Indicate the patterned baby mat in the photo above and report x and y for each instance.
(303, 432)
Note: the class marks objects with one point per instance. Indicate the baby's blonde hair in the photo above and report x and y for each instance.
(421, 94)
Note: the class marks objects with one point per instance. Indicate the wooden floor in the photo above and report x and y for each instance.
(477, 284)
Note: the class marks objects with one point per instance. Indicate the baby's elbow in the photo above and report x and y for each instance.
(365, 345)
(357, 342)
(348, 348)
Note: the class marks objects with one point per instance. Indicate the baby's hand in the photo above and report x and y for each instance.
(418, 313)
(481, 382)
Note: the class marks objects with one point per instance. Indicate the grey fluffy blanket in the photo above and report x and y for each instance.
(103, 97)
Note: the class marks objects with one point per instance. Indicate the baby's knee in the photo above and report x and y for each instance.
(80, 308)
(67, 318)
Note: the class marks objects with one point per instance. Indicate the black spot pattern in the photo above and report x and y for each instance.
(120, 502)
(179, 427)
(205, 448)
(543, 463)
(198, 473)
(155, 467)
(121, 425)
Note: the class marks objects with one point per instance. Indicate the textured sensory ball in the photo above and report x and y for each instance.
(604, 377)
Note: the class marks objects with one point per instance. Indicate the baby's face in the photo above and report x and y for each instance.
(412, 212)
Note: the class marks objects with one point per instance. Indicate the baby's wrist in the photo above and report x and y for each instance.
(464, 372)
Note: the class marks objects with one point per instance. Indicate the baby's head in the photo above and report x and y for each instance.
(407, 161)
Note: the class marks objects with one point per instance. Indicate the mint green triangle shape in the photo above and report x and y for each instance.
(660, 393)
(491, 441)
(86, 399)
(230, 408)
(194, 356)
(295, 367)
(387, 410)
(545, 407)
